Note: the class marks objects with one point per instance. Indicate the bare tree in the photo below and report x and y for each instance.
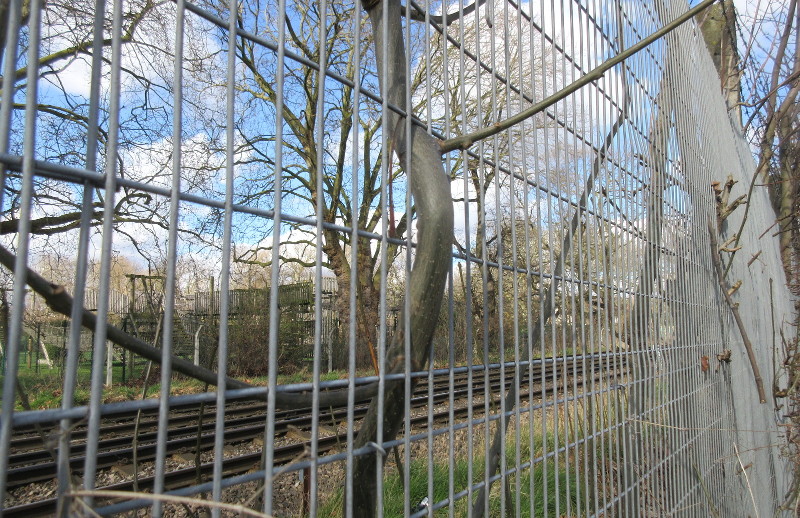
(332, 165)
(768, 63)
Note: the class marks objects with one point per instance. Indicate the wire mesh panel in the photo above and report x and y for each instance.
(373, 259)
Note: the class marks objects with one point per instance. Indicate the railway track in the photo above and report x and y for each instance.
(243, 423)
(38, 466)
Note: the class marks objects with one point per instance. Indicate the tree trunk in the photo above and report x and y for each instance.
(367, 300)
(789, 196)
(718, 26)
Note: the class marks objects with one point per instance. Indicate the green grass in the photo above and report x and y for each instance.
(545, 479)
(44, 388)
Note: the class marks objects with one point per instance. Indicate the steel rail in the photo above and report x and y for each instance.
(289, 454)
(37, 466)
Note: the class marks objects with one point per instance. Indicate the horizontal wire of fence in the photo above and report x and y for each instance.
(277, 258)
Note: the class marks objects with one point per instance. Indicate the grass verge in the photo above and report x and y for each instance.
(554, 488)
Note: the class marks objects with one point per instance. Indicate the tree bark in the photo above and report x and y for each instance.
(430, 187)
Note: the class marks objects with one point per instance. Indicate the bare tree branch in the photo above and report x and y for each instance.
(465, 141)
(60, 301)
(725, 289)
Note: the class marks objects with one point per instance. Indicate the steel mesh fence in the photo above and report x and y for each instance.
(409, 307)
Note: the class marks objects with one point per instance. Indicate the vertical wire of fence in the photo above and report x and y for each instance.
(529, 324)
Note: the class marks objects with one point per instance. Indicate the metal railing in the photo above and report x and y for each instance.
(486, 318)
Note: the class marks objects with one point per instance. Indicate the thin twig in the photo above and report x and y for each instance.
(774, 345)
(746, 478)
(145, 387)
(735, 310)
(777, 220)
(768, 446)
(174, 499)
